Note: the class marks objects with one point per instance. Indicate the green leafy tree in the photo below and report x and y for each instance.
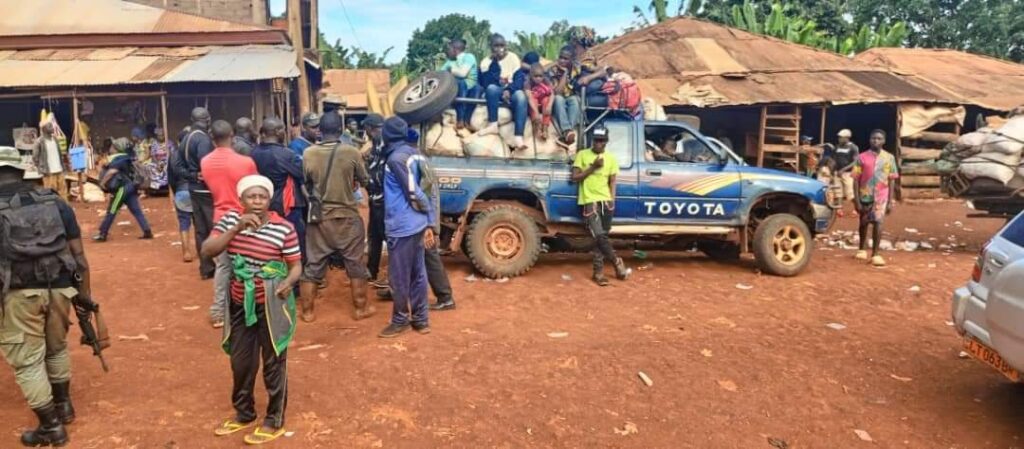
(547, 44)
(333, 56)
(428, 42)
(659, 10)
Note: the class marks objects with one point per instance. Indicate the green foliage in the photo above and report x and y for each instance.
(430, 41)
(660, 8)
(337, 56)
(547, 45)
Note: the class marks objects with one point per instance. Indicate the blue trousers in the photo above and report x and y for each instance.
(297, 217)
(124, 196)
(407, 274)
(566, 111)
(517, 101)
(464, 111)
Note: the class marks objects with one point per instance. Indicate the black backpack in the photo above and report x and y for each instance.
(33, 240)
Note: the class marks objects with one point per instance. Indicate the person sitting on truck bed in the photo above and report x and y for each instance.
(566, 107)
(592, 76)
(595, 171)
(463, 66)
(504, 86)
(874, 172)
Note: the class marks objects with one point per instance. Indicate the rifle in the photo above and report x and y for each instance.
(84, 309)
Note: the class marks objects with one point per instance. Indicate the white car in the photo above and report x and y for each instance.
(989, 311)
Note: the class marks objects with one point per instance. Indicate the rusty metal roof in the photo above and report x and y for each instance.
(979, 80)
(107, 66)
(348, 86)
(691, 62)
(62, 17)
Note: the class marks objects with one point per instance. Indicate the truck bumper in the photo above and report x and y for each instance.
(824, 216)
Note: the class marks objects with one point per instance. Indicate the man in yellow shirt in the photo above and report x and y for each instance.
(595, 171)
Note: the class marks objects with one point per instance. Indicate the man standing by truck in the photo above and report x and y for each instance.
(595, 171)
(874, 172)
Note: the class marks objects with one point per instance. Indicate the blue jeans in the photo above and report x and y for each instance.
(595, 98)
(464, 111)
(520, 108)
(566, 111)
(407, 275)
(124, 196)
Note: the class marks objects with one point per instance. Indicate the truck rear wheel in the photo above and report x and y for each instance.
(782, 245)
(503, 241)
(426, 97)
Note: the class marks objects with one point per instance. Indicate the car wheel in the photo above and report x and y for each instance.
(782, 245)
(720, 250)
(426, 97)
(503, 241)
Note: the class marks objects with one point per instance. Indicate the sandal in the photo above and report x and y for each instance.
(259, 436)
(231, 426)
(600, 280)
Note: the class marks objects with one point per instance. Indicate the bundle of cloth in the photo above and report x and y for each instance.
(993, 153)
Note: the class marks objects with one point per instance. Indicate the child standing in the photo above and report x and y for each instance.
(541, 99)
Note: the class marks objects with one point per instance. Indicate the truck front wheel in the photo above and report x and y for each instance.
(503, 241)
(782, 245)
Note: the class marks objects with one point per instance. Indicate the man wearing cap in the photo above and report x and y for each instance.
(843, 156)
(374, 154)
(46, 155)
(595, 170)
(194, 146)
(333, 170)
(43, 232)
(309, 135)
(408, 217)
(222, 169)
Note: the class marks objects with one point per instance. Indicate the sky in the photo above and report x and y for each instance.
(379, 24)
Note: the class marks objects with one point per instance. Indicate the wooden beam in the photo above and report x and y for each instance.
(824, 112)
(295, 32)
(934, 136)
(919, 169)
(921, 181)
(919, 154)
(760, 137)
(922, 193)
(314, 25)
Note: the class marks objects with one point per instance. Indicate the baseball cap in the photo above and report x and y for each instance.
(600, 133)
(10, 157)
(311, 119)
(373, 120)
(845, 133)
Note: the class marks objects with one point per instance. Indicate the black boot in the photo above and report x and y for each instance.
(62, 402)
(50, 431)
(146, 235)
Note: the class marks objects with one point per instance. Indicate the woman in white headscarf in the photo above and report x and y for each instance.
(264, 252)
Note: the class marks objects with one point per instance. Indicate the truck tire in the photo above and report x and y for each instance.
(782, 245)
(719, 250)
(426, 97)
(503, 241)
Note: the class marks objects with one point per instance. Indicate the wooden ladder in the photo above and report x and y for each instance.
(779, 138)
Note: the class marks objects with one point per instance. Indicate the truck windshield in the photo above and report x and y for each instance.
(1014, 232)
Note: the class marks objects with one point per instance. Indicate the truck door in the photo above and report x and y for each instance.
(682, 177)
(623, 140)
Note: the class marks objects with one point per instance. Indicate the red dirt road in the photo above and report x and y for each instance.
(731, 367)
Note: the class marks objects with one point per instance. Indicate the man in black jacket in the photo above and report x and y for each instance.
(194, 147)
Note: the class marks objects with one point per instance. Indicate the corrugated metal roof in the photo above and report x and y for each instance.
(979, 80)
(60, 17)
(349, 86)
(215, 64)
(691, 62)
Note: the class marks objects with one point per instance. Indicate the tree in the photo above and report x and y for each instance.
(660, 8)
(547, 45)
(333, 56)
(428, 42)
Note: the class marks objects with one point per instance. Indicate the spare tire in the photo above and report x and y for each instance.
(426, 97)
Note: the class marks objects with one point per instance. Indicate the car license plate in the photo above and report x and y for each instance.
(988, 355)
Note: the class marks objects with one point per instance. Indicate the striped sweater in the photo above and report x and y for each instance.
(275, 240)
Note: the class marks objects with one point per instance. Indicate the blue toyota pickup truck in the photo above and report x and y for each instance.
(502, 212)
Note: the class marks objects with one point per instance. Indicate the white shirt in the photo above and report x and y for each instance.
(53, 163)
(509, 64)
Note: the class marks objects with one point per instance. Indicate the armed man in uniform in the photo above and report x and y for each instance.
(40, 255)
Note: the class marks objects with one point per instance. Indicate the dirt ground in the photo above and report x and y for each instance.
(738, 360)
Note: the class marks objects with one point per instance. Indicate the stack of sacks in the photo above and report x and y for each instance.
(987, 153)
(442, 139)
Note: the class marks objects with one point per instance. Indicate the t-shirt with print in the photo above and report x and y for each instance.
(276, 240)
(464, 59)
(594, 188)
(873, 172)
(555, 73)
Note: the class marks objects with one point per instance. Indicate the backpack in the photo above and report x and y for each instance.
(33, 240)
(623, 93)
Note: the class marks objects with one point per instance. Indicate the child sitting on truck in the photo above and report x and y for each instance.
(541, 98)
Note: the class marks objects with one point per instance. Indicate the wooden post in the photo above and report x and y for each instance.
(259, 12)
(314, 25)
(824, 113)
(295, 33)
(760, 136)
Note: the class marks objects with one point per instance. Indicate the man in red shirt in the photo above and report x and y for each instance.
(221, 170)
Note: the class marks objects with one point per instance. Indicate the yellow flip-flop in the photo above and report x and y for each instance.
(231, 426)
(261, 437)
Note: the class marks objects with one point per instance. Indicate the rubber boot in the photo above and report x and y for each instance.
(621, 271)
(62, 401)
(362, 308)
(50, 431)
(307, 299)
(187, 246)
